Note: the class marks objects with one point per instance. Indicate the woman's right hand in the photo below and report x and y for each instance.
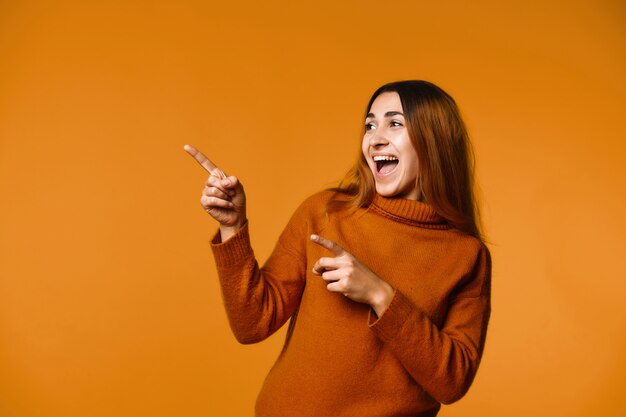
(222, 197)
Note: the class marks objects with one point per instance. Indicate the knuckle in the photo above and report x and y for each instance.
(211, 201)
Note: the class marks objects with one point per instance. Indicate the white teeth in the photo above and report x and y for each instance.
(384, 158)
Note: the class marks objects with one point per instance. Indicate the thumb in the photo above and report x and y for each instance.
(230, 182)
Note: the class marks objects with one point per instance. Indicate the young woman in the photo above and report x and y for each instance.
(385, 278)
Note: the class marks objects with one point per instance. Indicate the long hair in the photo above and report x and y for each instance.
(444, 152)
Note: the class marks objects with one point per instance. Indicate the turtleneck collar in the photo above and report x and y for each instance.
(408, 211)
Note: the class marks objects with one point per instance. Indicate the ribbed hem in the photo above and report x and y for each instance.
(387, 326)
(409, 211)
(236, 249)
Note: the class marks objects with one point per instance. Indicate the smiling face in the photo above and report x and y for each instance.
(388, 149)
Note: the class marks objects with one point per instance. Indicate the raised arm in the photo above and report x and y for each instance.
(258, 301)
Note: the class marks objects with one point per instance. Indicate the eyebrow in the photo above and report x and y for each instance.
(388, 114)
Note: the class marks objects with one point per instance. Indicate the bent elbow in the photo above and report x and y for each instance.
(452, 396)
(246, 339)
(456, 385)
(247, 335)
(452, 393)
(249, 332)
(249, 338)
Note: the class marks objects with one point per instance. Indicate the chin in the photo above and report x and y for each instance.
(386, 191)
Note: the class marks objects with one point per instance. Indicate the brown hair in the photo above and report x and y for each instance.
(444, 151)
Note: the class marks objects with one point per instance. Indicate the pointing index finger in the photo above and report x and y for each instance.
(328, 244)
(204, 161)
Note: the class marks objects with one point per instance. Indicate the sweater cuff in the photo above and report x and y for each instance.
(234, 250)
(387, 326)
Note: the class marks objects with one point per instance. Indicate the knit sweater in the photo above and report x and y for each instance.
(339, 359)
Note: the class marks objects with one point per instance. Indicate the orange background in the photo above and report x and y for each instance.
(109, 303)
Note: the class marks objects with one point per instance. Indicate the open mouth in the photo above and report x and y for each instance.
(385, 164)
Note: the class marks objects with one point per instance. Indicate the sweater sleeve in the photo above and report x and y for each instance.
(442, 360)
(259, 300)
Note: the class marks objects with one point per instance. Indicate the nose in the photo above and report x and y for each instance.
(378, 139)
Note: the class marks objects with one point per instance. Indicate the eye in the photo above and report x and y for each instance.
(369, 126)
(395, 123)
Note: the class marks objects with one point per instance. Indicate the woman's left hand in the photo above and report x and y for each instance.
(345, 274)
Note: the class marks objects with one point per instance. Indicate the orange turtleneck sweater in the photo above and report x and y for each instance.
(339, 359)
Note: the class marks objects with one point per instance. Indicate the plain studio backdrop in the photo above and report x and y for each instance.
(109, 302)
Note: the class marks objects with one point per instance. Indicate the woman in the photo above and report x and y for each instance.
(385, 278)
